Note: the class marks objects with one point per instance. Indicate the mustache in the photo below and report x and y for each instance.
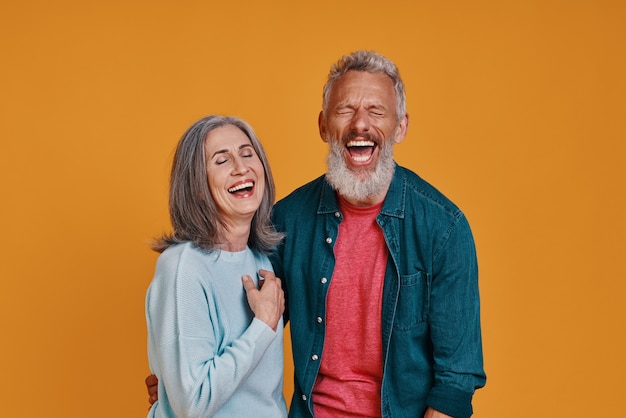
(354, 135)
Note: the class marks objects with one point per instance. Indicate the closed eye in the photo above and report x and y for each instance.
(344, 111)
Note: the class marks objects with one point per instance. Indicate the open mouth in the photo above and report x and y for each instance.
(244, 187)
(361, 150)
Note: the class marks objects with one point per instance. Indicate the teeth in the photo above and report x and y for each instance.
(240, 187)
(361, 159)
(361, 144)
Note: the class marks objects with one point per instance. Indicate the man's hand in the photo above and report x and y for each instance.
(152, 383)
(431, 413)
(268, 303)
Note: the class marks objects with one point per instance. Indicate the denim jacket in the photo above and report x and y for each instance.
(432, 350)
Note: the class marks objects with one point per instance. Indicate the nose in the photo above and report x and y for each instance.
(239, 166)
(361, 121)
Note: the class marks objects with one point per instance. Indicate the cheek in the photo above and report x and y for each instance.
(340, 127)
(214, 184)
(259, 171)
(260, 185)
(335, 125)
(210, 181)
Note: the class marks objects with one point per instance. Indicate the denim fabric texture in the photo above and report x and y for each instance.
(432, 349)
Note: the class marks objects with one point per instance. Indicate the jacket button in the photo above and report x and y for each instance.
(324, 280)
(304, 397)
(329, 240)
(319, 320)
(314, 357)
(337, 214)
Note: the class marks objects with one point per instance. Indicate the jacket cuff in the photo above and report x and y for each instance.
(450, 401)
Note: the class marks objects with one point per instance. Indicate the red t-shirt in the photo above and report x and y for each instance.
(351, 369)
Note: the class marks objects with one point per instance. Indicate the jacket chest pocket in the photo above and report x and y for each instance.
(413, 299)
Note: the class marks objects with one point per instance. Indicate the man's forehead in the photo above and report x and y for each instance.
(361, 85)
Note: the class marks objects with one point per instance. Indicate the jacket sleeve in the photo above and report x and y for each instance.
(276, 257)
(454, 318)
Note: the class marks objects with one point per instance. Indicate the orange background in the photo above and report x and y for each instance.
(517, 111)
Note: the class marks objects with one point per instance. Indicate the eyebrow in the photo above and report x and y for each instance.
(371, 105)
(224, 151)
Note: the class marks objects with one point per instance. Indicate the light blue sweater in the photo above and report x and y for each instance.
(212, 358)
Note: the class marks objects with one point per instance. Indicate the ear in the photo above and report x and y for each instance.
(321, 124)
(403, 127)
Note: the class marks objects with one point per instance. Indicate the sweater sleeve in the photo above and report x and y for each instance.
(198, 375)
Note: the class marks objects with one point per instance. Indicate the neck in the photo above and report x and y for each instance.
(235, 237)
(368, 201)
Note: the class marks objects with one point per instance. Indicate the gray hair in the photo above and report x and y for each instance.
(371, 62)
(193, 212)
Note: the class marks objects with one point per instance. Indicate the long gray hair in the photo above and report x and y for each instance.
(371, 62)
(193, 212)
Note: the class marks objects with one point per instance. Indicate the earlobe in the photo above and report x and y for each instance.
(403, 127)
(321, 124)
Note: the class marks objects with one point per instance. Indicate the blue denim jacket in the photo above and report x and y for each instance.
(432, 350)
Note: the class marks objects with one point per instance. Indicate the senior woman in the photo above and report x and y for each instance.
(214, 332)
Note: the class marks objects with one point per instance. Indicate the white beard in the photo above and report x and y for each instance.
(365, 183)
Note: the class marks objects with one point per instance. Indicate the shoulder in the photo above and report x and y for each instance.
(310, 189)
(186, 251)
(182, 262)
(306, 196)
(420, 190)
